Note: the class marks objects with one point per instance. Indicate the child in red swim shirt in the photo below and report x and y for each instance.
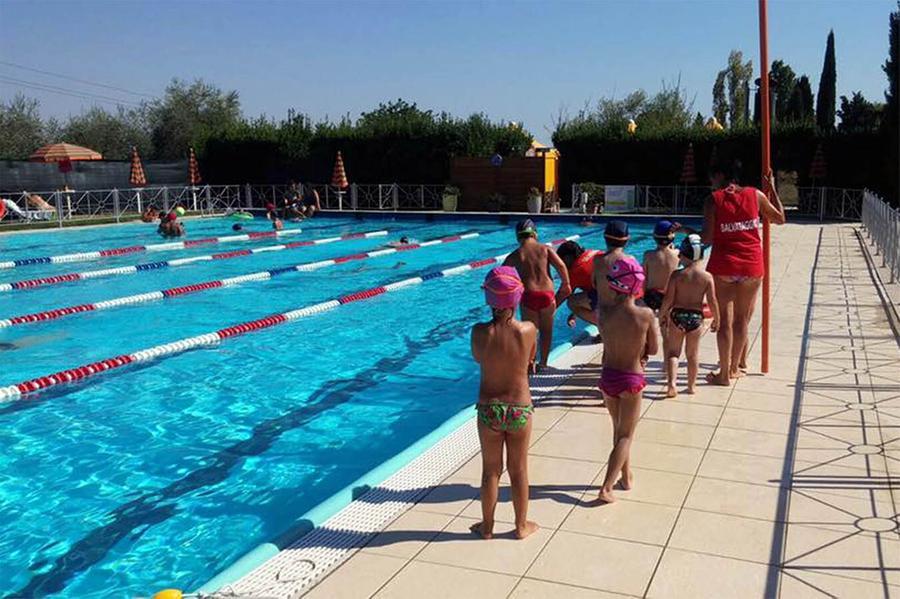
(532, 261)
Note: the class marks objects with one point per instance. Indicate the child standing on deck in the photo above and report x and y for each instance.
(504, 347)
(532, 260)
(629, 335)
(682, 314)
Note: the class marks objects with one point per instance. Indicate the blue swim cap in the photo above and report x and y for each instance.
(664, 229)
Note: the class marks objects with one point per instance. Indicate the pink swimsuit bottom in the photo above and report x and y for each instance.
(615, 382)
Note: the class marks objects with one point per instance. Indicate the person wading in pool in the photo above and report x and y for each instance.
(533, 260)
(504, 348)
(731, 220)
(616, 236)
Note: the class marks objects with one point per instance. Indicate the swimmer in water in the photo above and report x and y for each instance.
(403, 241)
(29, 341)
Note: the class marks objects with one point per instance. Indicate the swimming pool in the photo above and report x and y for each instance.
(163, 473)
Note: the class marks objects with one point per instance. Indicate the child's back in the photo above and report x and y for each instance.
(625, 330)
(532, 261)
(689, 287)
(504, 350)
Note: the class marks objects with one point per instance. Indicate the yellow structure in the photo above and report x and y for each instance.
(713, 124)
(632, 127)
(551, 165)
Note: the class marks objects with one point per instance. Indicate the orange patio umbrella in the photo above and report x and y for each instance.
(338, 175)
(137, 178)
(688, 172)
(63, 152)
(194, 169)
(819, 168)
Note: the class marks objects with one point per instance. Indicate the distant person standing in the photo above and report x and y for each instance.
(731, 221)
(533, 260)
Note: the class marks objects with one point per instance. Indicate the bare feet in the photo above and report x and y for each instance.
(737, 374)
(671, 392)
(483, 530)
(691, 390)
(606, 496)
(717, 378)
(527, 529)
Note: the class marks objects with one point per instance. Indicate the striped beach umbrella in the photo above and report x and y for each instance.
(819, 168)
(688, 172)
(194, 169)
(137, 178)
(63, 152)
(338, 176)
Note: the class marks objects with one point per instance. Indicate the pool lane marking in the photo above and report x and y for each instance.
(153, 247)
(25, 388)
(262, 275)
(148, 266)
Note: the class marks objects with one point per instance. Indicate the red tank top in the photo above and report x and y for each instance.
(736, 249)
(581, 275)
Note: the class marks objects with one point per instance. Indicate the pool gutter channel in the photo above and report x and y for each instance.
(329, 534)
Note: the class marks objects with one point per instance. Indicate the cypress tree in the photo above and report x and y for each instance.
(826, 99)
(892, 106)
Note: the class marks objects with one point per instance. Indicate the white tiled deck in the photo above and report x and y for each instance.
(784, 485)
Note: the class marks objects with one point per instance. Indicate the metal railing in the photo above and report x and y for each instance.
(882, 225)
(60, 207)
(821, 203)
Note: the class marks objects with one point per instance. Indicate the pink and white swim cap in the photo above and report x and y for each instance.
(626, 276)
(503, 288)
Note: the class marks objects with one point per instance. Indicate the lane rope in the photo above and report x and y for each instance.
(153, 247)
(262, 275)
(148, 266)
(28, 388)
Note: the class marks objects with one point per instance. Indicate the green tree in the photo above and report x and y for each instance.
(23, 132)
(720, 102)
(858, 115)
(187, 114)
(111, 134)
(892, 107)
(826, 98)
(783, 81)
(738, 74)
(800, 106)
(668, 109)
(699, 121)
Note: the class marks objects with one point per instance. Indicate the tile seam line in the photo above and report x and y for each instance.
(706, 450)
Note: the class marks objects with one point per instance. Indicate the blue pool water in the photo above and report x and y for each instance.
(163, 474)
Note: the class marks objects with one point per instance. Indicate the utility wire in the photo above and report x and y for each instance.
(84, 81)
(65, 91)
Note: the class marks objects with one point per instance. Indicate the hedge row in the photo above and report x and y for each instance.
(853, 160)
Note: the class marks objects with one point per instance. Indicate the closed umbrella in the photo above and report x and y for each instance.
(688, 172)
(137, 177)
(819, 168)
(338, 175)
(194, 176)
(339, 179)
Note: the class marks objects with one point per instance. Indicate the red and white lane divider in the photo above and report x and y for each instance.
(146, 266)
(153, 247)
(262, 275)
(25, 388)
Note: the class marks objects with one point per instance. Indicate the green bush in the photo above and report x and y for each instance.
(854, 160)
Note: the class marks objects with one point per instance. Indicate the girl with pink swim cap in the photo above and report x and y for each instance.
(630, 334)
(504, 347)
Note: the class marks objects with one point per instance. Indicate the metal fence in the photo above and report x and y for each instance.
(822, 203)
(116, 204)
(882, 225)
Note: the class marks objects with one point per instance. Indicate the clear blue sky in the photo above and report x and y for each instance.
(520, 61)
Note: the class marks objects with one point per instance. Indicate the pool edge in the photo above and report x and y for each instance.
(333, 505)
